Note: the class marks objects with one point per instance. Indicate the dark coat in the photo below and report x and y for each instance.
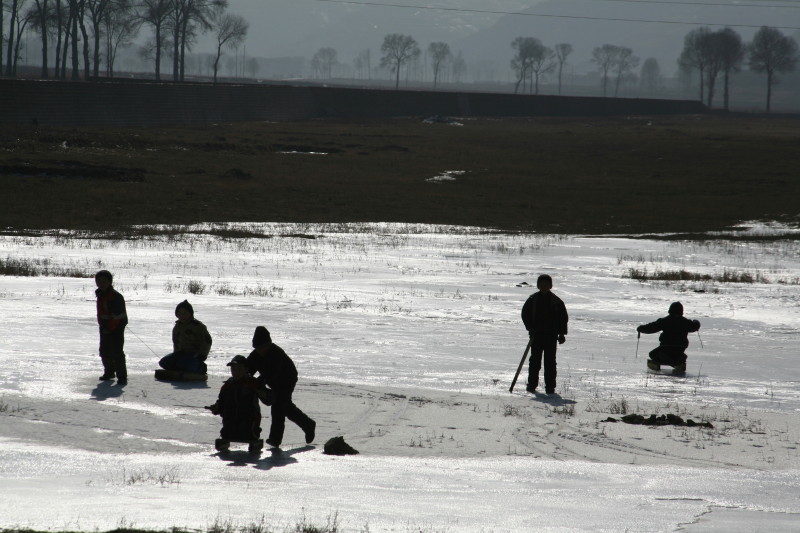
(674, 330)
(545, 314)
(275, 369)
(191, 337)
(238, 405)
(111, 312)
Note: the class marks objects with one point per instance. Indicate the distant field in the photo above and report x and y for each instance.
(566, 175)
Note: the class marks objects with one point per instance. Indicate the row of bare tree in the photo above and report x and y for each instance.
(94, 30)
(711, 53)
(720, 53)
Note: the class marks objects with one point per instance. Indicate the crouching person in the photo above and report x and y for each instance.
(238, 405)
(191, 343)
(673, 341)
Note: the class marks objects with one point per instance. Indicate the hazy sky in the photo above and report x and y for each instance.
(281, 28)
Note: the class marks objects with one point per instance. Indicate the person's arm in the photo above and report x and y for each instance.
(652, 327)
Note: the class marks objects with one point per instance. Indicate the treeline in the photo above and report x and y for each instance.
(83, 37)
(711, 56)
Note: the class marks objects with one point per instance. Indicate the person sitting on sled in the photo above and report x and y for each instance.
(191, 342)
(238, 405)
(675, 329)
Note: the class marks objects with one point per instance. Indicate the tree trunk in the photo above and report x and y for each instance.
(10, 53)
(86, 64)
(59, 37)
(42, 10)
(2, 10)
(725, 101)
(769, 89)
(75, 57)
(397, 77)
(158, 51)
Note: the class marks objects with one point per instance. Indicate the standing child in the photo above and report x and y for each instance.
(674, 339)
(545, 318)
(112, 319)
(277, 371)
(238, 405)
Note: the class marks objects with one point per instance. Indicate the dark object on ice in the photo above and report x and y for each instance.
(178, 375)
(663, 420)
(337, 446)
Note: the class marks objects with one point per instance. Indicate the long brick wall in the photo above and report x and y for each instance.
(149, 103)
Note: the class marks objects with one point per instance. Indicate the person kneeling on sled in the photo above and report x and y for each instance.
(191, 342)
(675, 329)
(238, 405)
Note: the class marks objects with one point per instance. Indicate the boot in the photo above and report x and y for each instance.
(679, 370)
(652, 365)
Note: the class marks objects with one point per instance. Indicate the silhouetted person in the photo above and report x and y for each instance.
(277, 371)
(238, 405)
(674, 339)
(112, 319)
(191, 342)
(545, 317)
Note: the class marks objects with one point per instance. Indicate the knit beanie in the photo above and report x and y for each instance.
(261, 337)
(184, 305)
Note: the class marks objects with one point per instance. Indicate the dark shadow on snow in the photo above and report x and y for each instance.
(266, 460)
(106, 390)
(552, 399)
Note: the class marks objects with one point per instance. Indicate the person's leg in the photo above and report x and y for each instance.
(106, 357)
(278, 412)
(550, 372)
(535, 365)
(305, 422)
(168, 362)
(120, 365)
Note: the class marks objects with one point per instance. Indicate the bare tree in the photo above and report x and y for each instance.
(605, 57)
(697, 54)
(398, 50)
(362, 64)
(121, 26)
(650, 75)
(13, 15)
(524, 50)
(39, 16)
(459, 67)
(542, 63)
(324, 60)
(439, 53)
(231, 31)
(186, 18)
(731, 50)
(772, 52)
(2, 35)
(22, 19)
(155, 13)
(625, 62)
(563, 51)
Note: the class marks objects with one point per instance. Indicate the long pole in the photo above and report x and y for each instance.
(519, 368)
(638, 336)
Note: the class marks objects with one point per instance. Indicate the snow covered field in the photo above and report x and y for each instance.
(406, 339)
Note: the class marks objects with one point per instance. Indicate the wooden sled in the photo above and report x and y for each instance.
(179, 375)
(253, 446)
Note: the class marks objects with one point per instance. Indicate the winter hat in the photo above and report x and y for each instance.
(184, 305)
(104, 274)
(237, 360)
(261, 337)
(676, 308)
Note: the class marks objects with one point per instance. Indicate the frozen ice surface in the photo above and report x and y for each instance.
(406, 338)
